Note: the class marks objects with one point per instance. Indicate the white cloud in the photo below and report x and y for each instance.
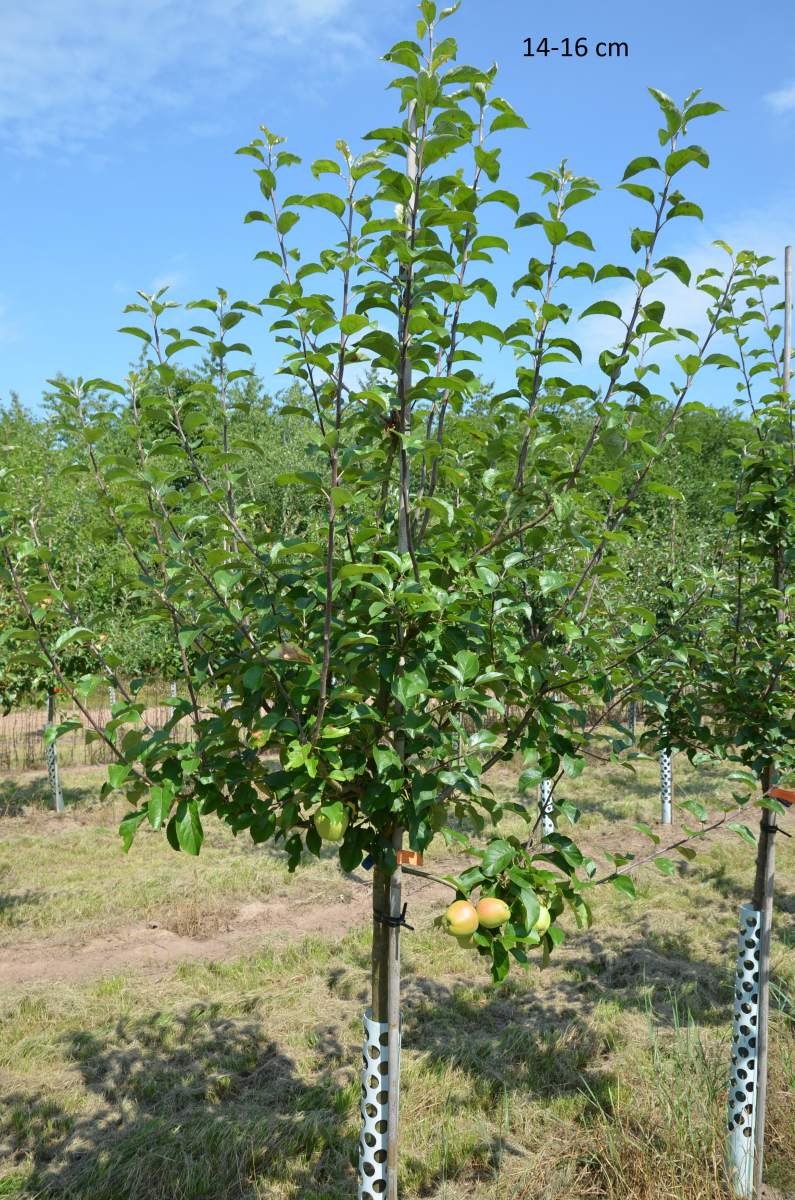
(782, 100)
(73, 72)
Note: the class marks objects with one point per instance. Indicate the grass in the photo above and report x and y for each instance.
(62, 877)
(603, 1076)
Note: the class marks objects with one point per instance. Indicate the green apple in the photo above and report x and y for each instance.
(331, 821)
(543, 921)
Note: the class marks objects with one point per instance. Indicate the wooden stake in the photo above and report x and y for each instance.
(380, 959)
(393, 1017)
(764, 882)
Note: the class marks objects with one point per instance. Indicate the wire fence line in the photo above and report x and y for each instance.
(22, 746)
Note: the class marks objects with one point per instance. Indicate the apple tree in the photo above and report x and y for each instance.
(455, 596)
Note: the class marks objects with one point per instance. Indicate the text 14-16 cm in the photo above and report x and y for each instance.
(574, 48)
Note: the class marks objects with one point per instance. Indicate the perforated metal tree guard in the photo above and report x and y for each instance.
(374, 1109)
(111, 695)
(55, 781)
(52, 761)
(632, 719)
(742, 1082)
(666, 786)
(547, 808)
(173, 691)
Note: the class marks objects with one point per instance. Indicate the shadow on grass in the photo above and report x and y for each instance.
(720, 878)
(194, 1105)
(11, 901)
(17, 798)
(626, 791)
(201, 1106)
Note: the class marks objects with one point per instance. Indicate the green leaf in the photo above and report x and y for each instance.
(556, 232)
(487, 575)
(704, 109)
(602, 308)
(552, 581)
(353, 322)
(342, 496)
(136, 332)
(678, 159)
(77, 634)
(685, 208)
(623, 883)
(188, 827)
(118, 773)
(286, 221)
(696, 808)
(327, 200)
(325, 166)
(180, 344)
(648, 831)
(639, 190)
(720, 360)
(644, 163)
(468, 664)
(743, 831)
(531, 906)
(500, 196)
(677, 266)
(496, 857)
(128, 828)
(159, 804)
(507, 120)
(409, 686)
(440, 508)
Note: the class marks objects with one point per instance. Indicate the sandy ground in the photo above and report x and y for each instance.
(152, 949)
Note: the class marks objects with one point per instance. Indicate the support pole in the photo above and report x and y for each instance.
(764, 881)
(743, 1096)
(787, 365)
(52, 759)
(666, 787)
(378, 1147)
(393, 1017)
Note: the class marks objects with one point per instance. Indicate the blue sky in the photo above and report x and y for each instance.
(119, 119)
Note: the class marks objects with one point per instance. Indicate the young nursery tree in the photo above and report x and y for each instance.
(460, 600)
(730, 679)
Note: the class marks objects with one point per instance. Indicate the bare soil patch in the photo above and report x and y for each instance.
(146, 948)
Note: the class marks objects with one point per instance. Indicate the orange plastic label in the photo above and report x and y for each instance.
(413, 858)
(781, 793)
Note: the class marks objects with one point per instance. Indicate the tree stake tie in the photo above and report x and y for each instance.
(394, 922)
